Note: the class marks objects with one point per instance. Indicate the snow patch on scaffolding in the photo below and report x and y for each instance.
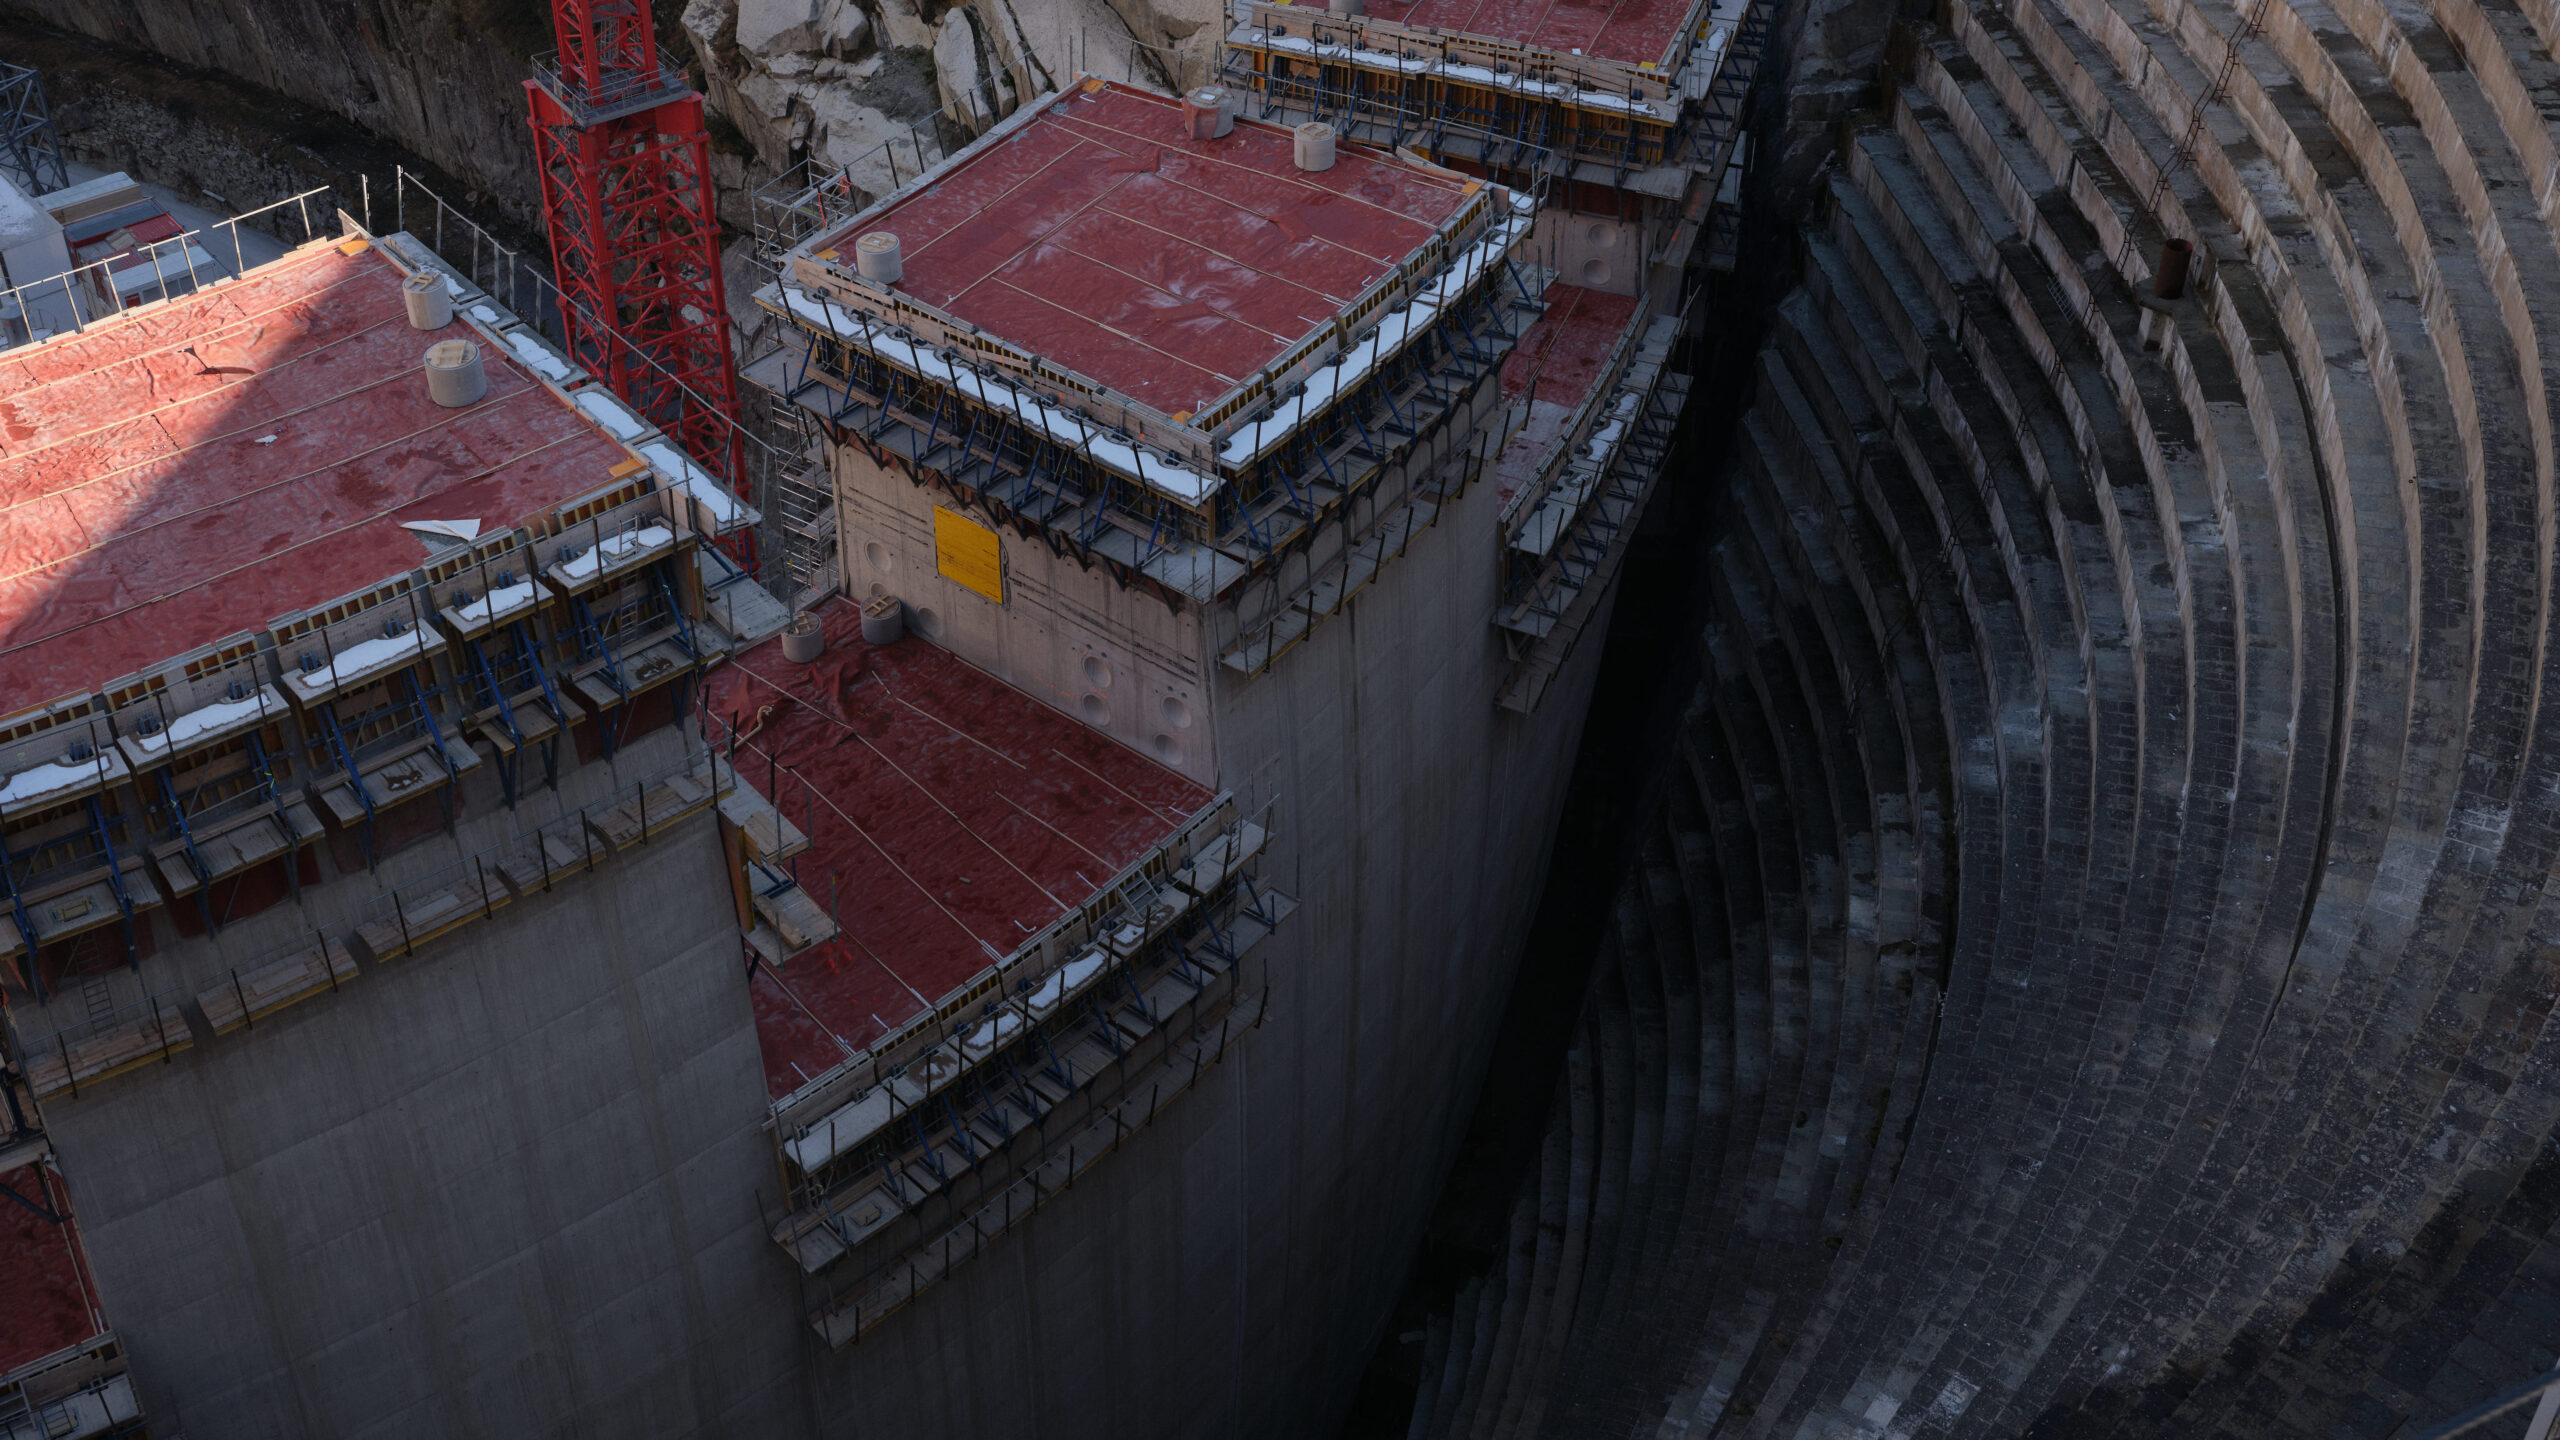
(499, 604)
(362, 661)
(211, 719)
(612, 414)
(60, 777)
(618, 547)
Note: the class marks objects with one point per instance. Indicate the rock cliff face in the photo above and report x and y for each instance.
(877, 87)
(827, 81)
(442, 78)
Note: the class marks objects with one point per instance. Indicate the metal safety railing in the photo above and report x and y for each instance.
(87, 295)
(407, 914)
(522, 284)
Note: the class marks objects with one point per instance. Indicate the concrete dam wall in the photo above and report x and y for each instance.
(2091, 973)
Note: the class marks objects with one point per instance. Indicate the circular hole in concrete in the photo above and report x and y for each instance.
(1096, 709)
(1177, 714)
(878, 589)
(1595, 273)
(1168, 749)
(927, 623)
(1602, 236)
(873, 555)
(1097, 672)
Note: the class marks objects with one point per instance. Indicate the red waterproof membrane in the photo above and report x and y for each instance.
(949, 816)
(245, 452)
(1557, 362)
(1101, 238)
(46, 1305)
(1631, 32)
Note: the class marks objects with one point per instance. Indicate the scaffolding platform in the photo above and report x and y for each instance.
(247, 996)
(147, 1034)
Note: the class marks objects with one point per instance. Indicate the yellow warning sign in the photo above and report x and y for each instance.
(968, 553)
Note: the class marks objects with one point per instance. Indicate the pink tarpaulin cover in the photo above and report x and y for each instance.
(201, 468)
(950, 817)
(1102, 239)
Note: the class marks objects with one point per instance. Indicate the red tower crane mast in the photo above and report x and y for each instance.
(635, 240)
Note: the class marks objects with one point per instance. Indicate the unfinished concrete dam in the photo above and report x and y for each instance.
(989, 881)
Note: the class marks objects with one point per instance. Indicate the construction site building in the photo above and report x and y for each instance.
(480, 963)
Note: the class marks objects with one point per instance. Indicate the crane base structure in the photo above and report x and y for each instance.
(635, 240)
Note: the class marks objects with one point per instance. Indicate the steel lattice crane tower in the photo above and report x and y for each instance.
(635, 241)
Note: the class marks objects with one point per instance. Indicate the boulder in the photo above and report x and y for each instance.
(775, 27)
(773, 114)
(957, 70)
(853, 137)
(843, 29)
(902, 25)
(712, 26)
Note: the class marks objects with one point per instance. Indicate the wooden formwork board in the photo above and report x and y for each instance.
(69, 1064)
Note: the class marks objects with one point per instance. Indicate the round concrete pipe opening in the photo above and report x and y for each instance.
(802, 640)
(884, 620)
(1314, 146)
(429, 300)
(455, 376)
(878, 259)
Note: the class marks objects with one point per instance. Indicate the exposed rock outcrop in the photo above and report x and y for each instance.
(443, 78)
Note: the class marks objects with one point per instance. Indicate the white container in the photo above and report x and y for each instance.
(455, 376)
(876, 258)
(1209, 113)
(802, 640)
(884, 620)
(430, 303)
(1315, 146)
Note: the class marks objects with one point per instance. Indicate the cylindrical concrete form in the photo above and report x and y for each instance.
(1208, 113)
(802, 640)
(455, 376)
(1315, 146)
(876, 258)
(430, 302)
(2171, 281)
(884, 620)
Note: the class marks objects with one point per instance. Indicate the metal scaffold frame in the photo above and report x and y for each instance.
(799, 502)
(626, 194)
(30, 150)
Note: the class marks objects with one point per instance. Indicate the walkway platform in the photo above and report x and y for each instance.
(1555, 367)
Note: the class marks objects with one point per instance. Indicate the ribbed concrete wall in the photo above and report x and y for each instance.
(2091, 977)
(506, 1186)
